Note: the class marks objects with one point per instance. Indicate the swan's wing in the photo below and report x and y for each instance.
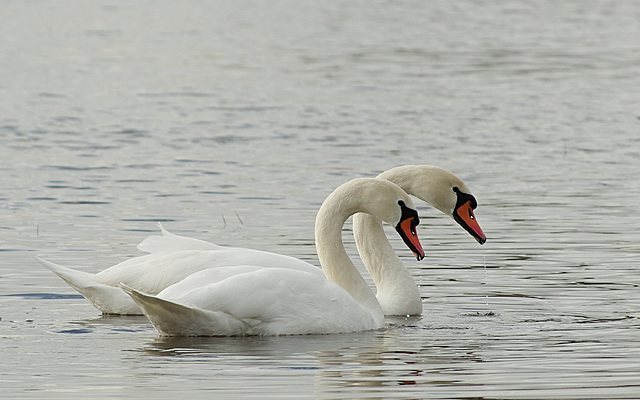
(170, 242)
(269, 301)
(218, 255)
(205, 277)
(108, 299)
(173, 319)
(172, 258)
(152, 273)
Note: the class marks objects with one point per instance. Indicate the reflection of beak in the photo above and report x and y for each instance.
(407, 230)
(465, 217)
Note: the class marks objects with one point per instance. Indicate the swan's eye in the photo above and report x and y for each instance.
(414, 222)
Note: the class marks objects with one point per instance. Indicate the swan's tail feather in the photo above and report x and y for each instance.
(173, 319)
(76, 279)
(171, 242)
(108, 299)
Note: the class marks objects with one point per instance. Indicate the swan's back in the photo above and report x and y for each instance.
(154, 272)
(170, 242)
(172, 258)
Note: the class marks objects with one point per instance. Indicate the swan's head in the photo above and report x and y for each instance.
(464, 216)
(391, 204)
(407, 229)
(443, 190)
(378, 197)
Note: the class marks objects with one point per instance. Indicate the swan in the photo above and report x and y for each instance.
(257, 300)
(397, 291)
(172, 258)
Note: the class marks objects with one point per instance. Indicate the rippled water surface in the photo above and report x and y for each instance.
(231, 121)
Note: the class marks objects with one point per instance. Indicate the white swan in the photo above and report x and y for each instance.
(397, 292)
(173, 257)
(254, 300)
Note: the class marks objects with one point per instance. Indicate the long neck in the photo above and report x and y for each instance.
(335, 261)
(397, 292)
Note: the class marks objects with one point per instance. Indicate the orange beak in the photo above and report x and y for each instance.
(407, 230)
(465, 217)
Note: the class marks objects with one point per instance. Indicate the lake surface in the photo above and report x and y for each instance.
(231, 121)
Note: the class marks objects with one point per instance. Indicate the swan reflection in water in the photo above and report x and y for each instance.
(381, 360)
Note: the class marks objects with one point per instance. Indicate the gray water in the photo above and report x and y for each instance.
(231, 121)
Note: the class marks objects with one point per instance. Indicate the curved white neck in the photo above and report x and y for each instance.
(334, 259)
(397, 291)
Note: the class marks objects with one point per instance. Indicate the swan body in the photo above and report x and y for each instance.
(171, 258)
(397, 291)
(259, 300)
